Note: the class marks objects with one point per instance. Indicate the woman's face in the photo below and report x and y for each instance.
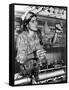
(33, 24)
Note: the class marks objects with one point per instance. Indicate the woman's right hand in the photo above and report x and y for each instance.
(21, 59)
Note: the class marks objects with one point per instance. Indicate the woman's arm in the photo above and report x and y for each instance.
(21, 49)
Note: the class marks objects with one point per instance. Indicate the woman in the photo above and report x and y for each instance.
(28, 43)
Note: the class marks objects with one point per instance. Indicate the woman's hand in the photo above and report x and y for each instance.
(41, 54)
(21, 58)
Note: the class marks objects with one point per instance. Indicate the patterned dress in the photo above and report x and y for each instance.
(26, 46)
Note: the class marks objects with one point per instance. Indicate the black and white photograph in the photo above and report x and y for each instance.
(40, 44)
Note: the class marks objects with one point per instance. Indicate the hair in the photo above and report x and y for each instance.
(27, 20)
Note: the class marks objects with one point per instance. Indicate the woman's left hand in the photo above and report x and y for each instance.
(41, 54)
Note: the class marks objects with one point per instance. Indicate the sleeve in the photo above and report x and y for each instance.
(21, 49)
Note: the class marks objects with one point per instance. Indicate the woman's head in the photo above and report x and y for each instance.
(30, 22)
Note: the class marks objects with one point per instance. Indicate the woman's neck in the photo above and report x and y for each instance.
(31, 33)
